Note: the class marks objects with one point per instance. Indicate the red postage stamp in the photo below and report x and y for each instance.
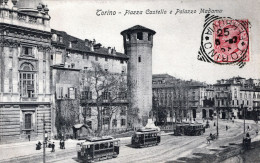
(231, 40)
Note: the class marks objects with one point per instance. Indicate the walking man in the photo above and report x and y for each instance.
(53, 147)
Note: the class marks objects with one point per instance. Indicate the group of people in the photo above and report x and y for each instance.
(51, 145)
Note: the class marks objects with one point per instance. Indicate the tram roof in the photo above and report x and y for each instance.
(97, 140)
(146, 130)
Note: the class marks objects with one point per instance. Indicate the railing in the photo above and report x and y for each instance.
(9, 16)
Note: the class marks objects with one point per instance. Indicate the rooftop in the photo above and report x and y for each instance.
(137, 28)
(80, 45)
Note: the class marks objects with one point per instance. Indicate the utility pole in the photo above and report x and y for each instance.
(217, 121)
(244, 112)
(172, 112)
(43, 135)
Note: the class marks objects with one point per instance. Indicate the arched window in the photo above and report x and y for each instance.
(27, 80)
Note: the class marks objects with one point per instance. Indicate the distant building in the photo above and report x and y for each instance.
(237, 91)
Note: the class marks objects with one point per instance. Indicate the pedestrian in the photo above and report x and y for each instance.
(247, 135)
(214, 124)
(38, 146)
(248, 127)
(256, 132)
(53, 147)
(226, 127)
(29, 137)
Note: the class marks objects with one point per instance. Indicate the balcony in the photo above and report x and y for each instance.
(93, 102)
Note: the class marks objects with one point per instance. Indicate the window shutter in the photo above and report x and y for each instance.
(58, 95)
(22, 51)
(29, 51)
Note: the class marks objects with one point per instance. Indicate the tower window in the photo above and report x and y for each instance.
(139, 36)
(149, 36)
(128, 37)
(139, 59)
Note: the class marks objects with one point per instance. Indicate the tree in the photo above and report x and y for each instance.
(67, 114)
(105, 87)
(159, 112)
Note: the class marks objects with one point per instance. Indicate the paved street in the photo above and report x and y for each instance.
(171, 148)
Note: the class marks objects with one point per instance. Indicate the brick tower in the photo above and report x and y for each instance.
(138, 43)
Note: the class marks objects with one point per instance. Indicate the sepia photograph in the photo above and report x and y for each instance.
(128, 81)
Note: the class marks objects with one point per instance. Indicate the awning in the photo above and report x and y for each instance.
(78, 126)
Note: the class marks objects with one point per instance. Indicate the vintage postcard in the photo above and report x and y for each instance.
(130, 81)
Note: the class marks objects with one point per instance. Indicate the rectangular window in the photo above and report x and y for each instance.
(96, 58)
(27, 51)
(105, 121)
(139, 59)
(106, 95)
(149, 36)
(123, 122)
(123, 111)
(87, 112)
(61, 39)
(128, 37)
(121, 61)
(106, 59)
(72, 93)
(28, 121)
(139, 36)
(114, 123)
(87, 95)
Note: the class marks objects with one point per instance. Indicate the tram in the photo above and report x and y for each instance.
(146, 137)
(189, 129)
(98, 148)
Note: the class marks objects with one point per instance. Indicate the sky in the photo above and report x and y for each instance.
(178, 36)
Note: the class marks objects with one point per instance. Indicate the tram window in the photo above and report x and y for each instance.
(96, 146)
(111, 145)
(106, 145)
(102, 146)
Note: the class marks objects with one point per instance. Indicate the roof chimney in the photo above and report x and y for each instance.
(114, 51)
(86, 42)
(91, 46)
(109, 50)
